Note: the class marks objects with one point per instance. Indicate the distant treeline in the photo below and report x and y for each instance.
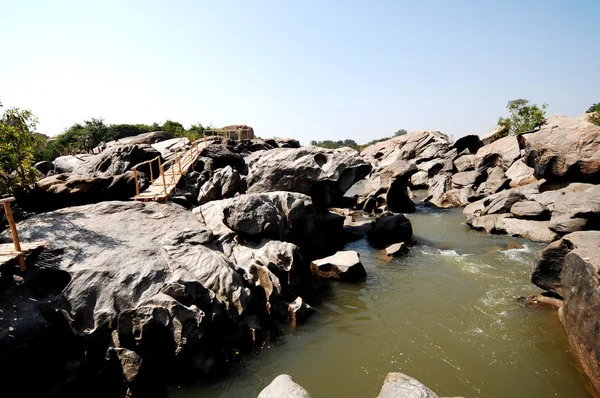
(351, 143)
(83, 137)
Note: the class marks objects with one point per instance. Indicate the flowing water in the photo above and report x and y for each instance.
(446, 313)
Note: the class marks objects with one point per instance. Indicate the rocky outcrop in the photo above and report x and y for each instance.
(577, 209)
(117, 160)
(158, 294)
(387, 188)
(222, 157)
(344, 266)
(579, 313)
(325, 175)
(569, 269)
(66, 164)
(546, 272)
(504, 152)
(565, 149)
(64, 190)
(283, 386)
(224, 184)
(150, 138)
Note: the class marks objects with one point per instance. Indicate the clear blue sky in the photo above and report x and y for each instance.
(304, 69)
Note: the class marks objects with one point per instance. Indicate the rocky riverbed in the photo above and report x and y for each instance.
(130, 297)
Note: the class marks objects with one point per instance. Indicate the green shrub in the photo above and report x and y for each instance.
(523, 117)
(18, 144)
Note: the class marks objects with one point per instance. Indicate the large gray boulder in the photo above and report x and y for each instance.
(283, 386)
(284, 216)
(399, 385)
(578, 209)
(418, 145)
(546, 272)
(150, 138)
(506, 149)
(224, 184)
(117, 160)
(534, 230)
(64, 190)
(530, 210)
(520, 174)
(565, 149)
(66, 164)
(579, 314)
(389, 186)
(323, 174)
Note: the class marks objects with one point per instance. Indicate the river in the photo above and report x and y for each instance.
(446, 313)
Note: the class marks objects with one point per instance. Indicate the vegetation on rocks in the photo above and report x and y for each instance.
(18, 144)
(329, 144)
(594, 112)
(523, 117)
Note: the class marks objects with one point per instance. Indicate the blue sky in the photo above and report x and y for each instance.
(302, 69)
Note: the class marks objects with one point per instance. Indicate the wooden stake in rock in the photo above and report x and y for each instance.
(13, 230)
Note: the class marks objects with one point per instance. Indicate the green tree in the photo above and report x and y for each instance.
(594, 108)
(523, 117)
(18, 144)
(174, 128)
(594, 112)
(400, 132)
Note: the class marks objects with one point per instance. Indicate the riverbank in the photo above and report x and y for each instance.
(446, 313)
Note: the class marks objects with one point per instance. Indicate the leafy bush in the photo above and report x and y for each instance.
(18, 144)
(594, 108)
(595, 114)
(523, 117)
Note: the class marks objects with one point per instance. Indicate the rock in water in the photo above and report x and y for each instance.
(390, 229)
(283, 386)
(579, 313)
(343, 265)
(546, 272)
(399, 385)
(395, 249)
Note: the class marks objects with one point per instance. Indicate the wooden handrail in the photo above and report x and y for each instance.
(13, 230)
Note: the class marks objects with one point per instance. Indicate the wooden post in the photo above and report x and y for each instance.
(13, 231)
(179, 164)
(204, 134)
(137, 186)
(162, 175)
(151, 172)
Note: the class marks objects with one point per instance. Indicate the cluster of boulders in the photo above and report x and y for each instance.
(148, 292)
(395, 385)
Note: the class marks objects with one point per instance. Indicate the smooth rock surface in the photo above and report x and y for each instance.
(399, 385)
(343, 265)
(283, 386)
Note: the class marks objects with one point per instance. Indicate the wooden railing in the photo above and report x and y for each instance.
(174, 170)
(13, 230)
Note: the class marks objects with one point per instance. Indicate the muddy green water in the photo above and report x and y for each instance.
(446, 313)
